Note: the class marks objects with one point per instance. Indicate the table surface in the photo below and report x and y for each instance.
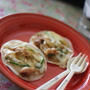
(55, 8)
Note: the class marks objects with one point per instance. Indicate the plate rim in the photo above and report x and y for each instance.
(4, 19)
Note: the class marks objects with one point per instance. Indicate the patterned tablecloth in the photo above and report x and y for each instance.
(55, 8)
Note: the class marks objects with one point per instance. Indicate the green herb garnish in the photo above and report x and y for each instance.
(18, 64)
(65, 51)
(41, 63)
(61, 50)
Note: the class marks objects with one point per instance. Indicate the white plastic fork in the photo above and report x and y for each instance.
(77, 66)
(54, 80)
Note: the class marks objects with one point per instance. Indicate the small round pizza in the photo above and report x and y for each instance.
(25, 60)
(56, 48)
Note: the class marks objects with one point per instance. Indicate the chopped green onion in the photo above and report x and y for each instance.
(59, 49)
(18, 64)
(42, 61)
(40, 64)
(65, 51)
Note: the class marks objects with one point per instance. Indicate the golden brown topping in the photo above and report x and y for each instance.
(38, 42)
(26, 71)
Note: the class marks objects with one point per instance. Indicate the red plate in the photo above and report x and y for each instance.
(22, 27)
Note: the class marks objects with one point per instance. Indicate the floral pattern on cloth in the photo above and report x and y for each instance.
(54, 8)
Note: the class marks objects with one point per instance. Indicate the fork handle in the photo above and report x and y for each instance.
(65, 81)
(54, 80)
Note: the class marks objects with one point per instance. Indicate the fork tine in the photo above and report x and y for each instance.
(86, 65)
(83, 63)
(76, 58)
(71, 55)
(81, 59)
(70, 59)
